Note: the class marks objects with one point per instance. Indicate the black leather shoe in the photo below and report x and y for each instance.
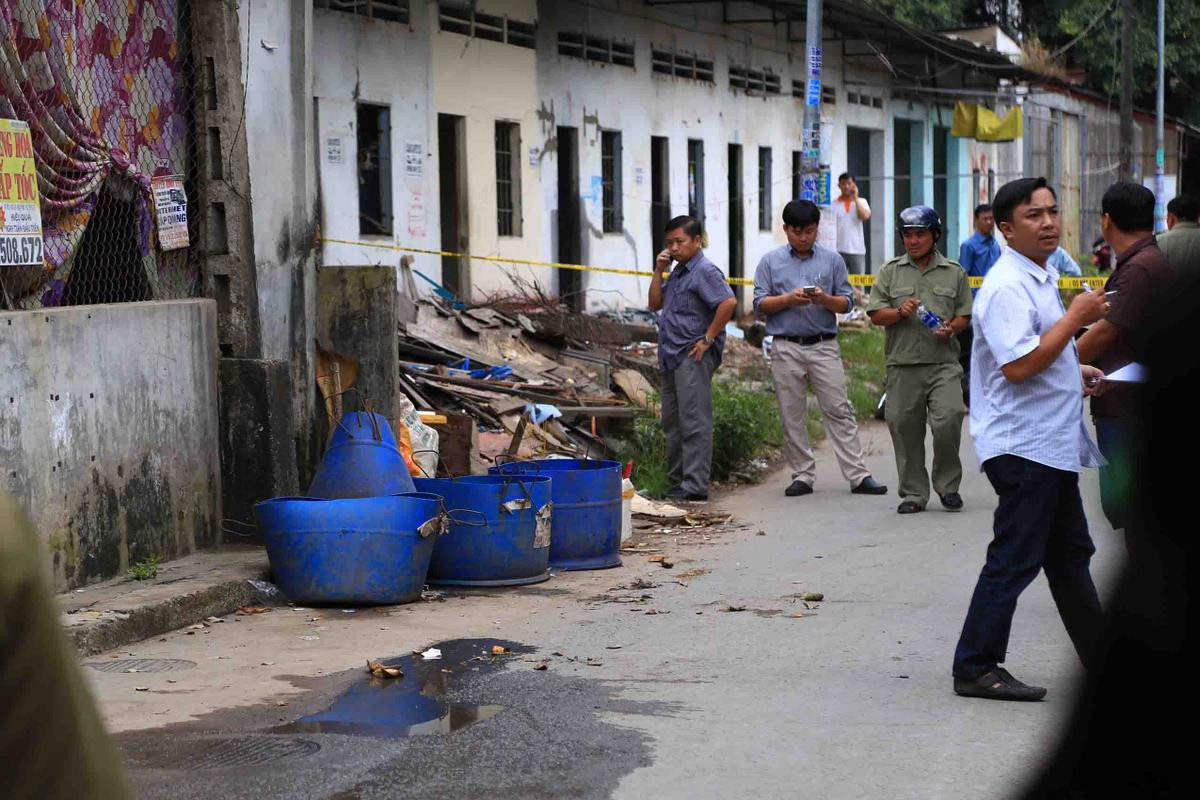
(951, 501)
(797, 488)
(868, 485)
(997, 684)
(909, 507)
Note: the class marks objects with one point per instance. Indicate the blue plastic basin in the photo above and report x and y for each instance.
(362, 550)
(586, 528)
(500, 543)
(363, 460)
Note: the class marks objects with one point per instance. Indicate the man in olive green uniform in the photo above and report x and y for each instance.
(1181, 243)
(923, 373)
(52, 744)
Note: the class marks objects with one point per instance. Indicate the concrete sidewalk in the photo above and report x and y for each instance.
(185, 591)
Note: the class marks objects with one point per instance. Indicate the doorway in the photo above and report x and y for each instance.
(737, 222)
(452, 191)
(858, 164)
(903, 168)
(660, 191)
(570, 281)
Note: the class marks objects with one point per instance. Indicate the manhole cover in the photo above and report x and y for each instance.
(246, 752)
(141, 665)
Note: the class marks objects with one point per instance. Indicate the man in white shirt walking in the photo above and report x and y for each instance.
(850, 212)
(1027, 389)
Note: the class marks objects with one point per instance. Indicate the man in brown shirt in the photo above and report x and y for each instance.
(1139, 289)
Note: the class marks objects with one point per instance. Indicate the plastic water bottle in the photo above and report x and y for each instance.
(928, 318)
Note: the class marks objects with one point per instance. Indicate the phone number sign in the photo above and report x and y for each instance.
(20, 206)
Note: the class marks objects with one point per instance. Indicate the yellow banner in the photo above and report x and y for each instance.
(20, 206)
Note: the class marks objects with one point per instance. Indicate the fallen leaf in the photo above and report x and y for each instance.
(141, 688)
(656, 559)
(694, 573)
(540, 666)
(499, 650)
(591, 662)
(733, 608)
(253, 609)
(813, 597)
(556, 653)
(797, 615)
(381, 670)
(613, 646)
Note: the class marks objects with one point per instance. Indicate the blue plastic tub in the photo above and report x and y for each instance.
(363, 460)
(370, 550)
(586, 528)
(505, 542)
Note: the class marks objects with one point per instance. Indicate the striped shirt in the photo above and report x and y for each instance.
(1042, 418)
(690, 297)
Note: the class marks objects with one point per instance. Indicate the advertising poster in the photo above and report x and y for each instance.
(170, 209)
(20, 207)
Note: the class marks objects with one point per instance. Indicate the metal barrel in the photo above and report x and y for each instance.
(369, 550)
(506, 541)
(586, 529)
(363, 460)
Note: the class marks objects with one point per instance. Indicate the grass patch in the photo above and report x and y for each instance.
(145, 569)
(746, 420)
(745, 424)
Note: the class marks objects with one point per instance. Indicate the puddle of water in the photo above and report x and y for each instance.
(415, 704)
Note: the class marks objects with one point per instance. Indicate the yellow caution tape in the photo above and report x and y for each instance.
(855, 280)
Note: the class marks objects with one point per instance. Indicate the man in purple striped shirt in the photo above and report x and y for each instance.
(695, 304)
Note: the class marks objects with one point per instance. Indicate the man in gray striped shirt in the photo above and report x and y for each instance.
(1027, 389)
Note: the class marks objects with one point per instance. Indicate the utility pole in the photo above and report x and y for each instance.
(1160, 190)
(813, 184)
(1125, 156)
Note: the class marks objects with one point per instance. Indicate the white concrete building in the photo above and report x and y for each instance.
(571, 131)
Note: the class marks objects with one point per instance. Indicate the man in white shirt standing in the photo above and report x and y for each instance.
(850, 212)
(1027, 389)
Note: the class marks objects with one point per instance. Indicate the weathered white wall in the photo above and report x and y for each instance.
(385, 63)
(108, 431)
(486, 81)
(420, 71)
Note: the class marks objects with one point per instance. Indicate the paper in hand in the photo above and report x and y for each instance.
(1130, 373)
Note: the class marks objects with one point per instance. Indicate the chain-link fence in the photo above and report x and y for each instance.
(107, 88)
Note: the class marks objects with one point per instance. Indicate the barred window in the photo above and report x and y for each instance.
(390, 10)
(595, 48)
(374, 170)
(682, 65)
(755, 81)
(764, 188)
(508, 178)
(696, 179)
(828, 93)
(610, 177)
(460, 17)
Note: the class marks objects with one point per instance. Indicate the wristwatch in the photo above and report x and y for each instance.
(708, 340)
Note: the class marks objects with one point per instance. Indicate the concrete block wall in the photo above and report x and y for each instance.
(109, 433)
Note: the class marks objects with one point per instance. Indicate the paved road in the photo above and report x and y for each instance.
(852, 699)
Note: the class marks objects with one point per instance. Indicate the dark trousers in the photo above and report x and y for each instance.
(1117, 438)
(687, 420)
(1039, 524)
(965, 339)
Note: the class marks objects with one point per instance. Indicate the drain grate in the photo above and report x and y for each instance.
(141, 665)
(246, 751)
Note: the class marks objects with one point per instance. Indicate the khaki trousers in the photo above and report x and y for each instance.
(916, 394)
(793, 367)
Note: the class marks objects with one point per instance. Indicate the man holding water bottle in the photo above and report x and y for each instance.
(923, 301)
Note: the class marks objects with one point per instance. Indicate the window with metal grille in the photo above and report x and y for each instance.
(682, 65)
(828, 95)
(764, 188)
(458, 17)
(696, 179)
(390, 10)
(610, 180)
(508, 178)
(595, 48)
(755, 81)
(374, 170)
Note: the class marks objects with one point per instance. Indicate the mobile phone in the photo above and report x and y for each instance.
(810, 290)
